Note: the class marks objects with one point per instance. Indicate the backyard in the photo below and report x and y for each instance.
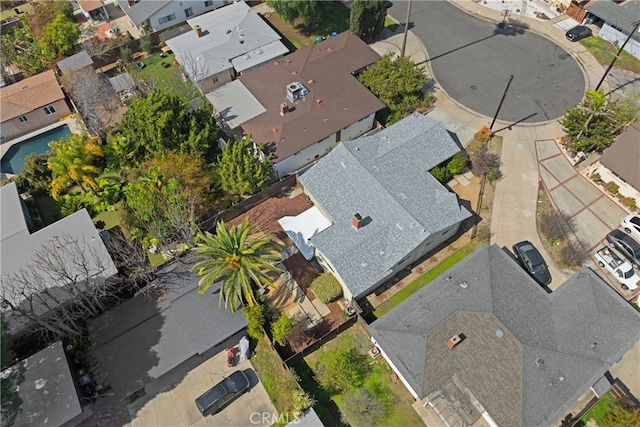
(168, 78)
(379, 377)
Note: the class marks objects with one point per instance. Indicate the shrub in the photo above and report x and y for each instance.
(125, 54)
(341, 369)
(555, 225)
(456, 164)
(483, 161)
(441, 173)
(255, 320)
(364, 408)
(327, 288)
(302, 401)
(484, 134)
(596, 178)
(280, 329)
(629, 202)
(574, 254)
(145, 44)
(299, 333)
(494, 175)
(483, 233)
(612, 187)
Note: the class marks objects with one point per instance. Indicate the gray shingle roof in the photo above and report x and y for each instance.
(622, 15)
(385, 178)
(142, 10)
(142, 339)
(75, 62)
(559, 328)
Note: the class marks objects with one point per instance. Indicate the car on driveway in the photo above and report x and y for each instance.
(578, 33)
(622, 271)
(625, 244)
(631, 225)
(226, 391)
(531, 260)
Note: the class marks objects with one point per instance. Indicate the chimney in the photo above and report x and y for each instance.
(454, 341)
(197, 29)
(284, 108)
(130, 2)
(357, 221)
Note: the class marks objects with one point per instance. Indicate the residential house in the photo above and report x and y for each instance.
(303, 104)
(171, 329)
(484, 340)
(386, 210)
(159, 14)
(48, 391)
(31, 104)
(95, 10)
(22, 248)
(616, 20)
(619, 163)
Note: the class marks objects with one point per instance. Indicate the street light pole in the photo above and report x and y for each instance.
(613, 61)
(500, 105)
(406, 30)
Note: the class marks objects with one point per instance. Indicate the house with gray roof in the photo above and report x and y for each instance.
(618, 20)
(225, 43)
(386, 210)
(75, 62)
(484, 340)
(159, 14)
(169, 329)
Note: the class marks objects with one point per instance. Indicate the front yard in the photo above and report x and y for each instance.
(330, 407)
(604, 51)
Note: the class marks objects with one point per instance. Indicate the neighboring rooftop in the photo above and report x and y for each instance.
(48, 392)
(244, 105)
(622, 156)
(89, 5)
(144, 338)
(141, 10)
(385, 178)
(335, 98)
(75, 62)
(233, 36)
(526, 355)
(29, 94)
(622, 14)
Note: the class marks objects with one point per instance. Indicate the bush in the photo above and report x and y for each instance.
(456, 164)
(255, 320)
(494, 175)
(364, 408)
(596, 178)
(574, 254)
(145, 44)
(341, 369)
(299, 333)
(327, 288)
(555, 225)
(280, 329)
(629, 202)
(612, 187)
(441, 173)
(483, 161)
(125, 54)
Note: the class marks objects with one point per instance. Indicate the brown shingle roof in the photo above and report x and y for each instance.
(622, 156)
(89, 5)
(335, 101)
(29, 94)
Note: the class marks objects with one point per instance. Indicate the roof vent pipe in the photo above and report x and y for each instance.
(198, 30)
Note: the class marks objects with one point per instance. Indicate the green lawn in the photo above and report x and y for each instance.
(327, 407)
(421, 281)
(390, 24)
(600, 410)
(8, 13)
(604, 51)
(110, 219)
(167, 79)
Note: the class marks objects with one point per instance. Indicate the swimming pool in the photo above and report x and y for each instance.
(13, 160)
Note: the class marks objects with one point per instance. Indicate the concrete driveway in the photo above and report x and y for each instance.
(175, 406)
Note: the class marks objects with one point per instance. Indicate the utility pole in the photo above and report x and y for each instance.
(501, 101)
(406, 30)
(613, 61)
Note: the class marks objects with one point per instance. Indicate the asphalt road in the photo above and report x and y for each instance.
(472, 59)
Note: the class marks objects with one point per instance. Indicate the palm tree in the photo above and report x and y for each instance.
(73, 160)
(242, 259)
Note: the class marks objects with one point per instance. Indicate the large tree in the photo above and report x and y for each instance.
(398, 83)
(74, 160)
(241, 259)
(35, 177)
(243, 169)
(367, 18)
(59, 37)
(160, 122)
(310, 12)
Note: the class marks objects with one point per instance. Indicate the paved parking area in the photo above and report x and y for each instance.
(175, 407)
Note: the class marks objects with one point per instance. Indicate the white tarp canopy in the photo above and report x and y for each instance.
(304, 226)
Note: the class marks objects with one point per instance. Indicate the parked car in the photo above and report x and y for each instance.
(578, 33)
(531, 260)
(631, 225)
(621, 270)
(625, 244)
(223, 393)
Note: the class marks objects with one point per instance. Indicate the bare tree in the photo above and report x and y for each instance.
(483, 161)
(130, 258)
(63, 286)
(555, 225)
(196, 69)
(94, 97)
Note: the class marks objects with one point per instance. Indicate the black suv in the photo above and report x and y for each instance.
(578, 33)
(625, 244)
(532, 261)
(223, 393)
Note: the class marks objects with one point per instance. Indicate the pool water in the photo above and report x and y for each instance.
(13, 160)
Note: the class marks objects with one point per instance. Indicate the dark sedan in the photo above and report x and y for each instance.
(625, 244)
(226, 391)
(532, 262)
(578, 33)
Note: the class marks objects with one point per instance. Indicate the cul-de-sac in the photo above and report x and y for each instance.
(362, 213)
